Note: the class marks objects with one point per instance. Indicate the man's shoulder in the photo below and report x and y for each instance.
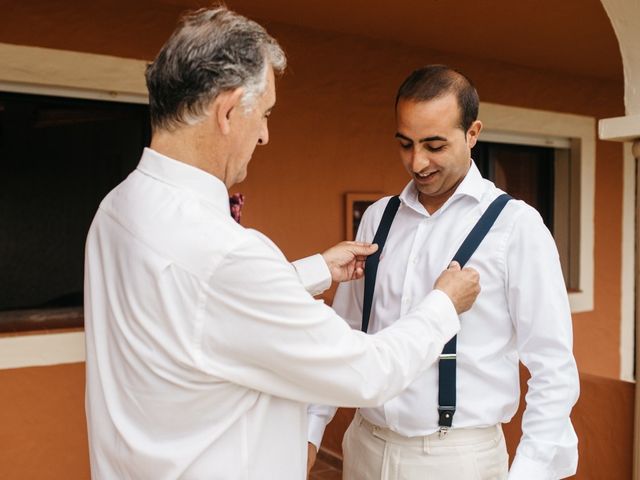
(376, 209)
(381, 204)
(518, 215)
(371, 218)
(519, 211)
(182, 228)
(203, 239)
(516, 210)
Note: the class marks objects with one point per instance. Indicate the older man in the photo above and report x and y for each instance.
(203, 342)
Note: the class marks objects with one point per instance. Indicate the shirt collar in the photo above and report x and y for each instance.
(472, 185)
(181, 175)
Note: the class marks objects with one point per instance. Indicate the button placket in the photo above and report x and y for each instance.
(412, 264)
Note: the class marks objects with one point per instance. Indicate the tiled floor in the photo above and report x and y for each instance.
(322, 470)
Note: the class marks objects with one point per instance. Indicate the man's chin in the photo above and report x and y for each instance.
(427, 191)
(240, 178)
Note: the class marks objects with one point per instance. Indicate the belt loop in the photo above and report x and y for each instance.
(359, 418)
(426, 444)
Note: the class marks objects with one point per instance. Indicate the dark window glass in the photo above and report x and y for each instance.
(525, 172)
(58, 158)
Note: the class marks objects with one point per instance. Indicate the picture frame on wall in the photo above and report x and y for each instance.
(355, 205)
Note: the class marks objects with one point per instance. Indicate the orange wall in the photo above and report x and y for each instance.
(332, 131)
(43, 434)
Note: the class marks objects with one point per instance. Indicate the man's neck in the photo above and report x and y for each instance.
(187, 146)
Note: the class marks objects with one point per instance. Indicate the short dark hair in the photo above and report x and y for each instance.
(434, 81)
(211, 50)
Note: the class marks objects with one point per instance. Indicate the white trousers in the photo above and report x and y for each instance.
(376, 453)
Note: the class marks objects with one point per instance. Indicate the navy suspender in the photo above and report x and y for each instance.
(447, 364)
(371, 264)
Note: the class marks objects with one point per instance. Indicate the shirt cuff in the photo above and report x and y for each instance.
(313, 273)
(524, 468)
(317, 426)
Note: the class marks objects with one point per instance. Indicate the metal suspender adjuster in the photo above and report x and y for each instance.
(446, 412)
(445, 419)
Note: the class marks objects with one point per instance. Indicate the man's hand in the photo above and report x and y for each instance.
(346, 260)
(462, 286)
(311, 456)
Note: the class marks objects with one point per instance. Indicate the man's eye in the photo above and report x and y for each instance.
(435, 149)
(405, 146)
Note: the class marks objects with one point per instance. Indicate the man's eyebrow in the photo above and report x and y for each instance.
(435, 138)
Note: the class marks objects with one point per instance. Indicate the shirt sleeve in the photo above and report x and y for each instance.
(263, 331)
(540, 311)
(313, 272)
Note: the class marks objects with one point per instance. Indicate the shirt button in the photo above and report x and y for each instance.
(415, 260)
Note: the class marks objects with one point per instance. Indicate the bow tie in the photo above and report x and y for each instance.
(236, 201)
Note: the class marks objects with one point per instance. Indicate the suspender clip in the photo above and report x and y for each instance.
(445, 420)
(445, 416)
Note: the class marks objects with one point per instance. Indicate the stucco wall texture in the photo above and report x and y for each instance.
(331, 133)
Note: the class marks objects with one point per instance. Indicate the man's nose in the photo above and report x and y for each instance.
(263, 139)
(419, 160)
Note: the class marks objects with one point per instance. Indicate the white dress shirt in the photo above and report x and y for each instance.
(203, 344)
(521, 313)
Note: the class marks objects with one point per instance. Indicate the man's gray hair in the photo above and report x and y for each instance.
(211, 51)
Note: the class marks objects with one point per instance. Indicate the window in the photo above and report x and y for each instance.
(58, 158)
(571, 136)
(544, 177)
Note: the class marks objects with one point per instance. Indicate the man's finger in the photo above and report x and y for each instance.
(473, 271)
(363, 249)
(454, 266)
(360, 244)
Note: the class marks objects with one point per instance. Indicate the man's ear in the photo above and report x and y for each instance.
(223, 107)
(473, 133)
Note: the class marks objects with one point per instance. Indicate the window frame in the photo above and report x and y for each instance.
(502, 122)
(61, 73)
